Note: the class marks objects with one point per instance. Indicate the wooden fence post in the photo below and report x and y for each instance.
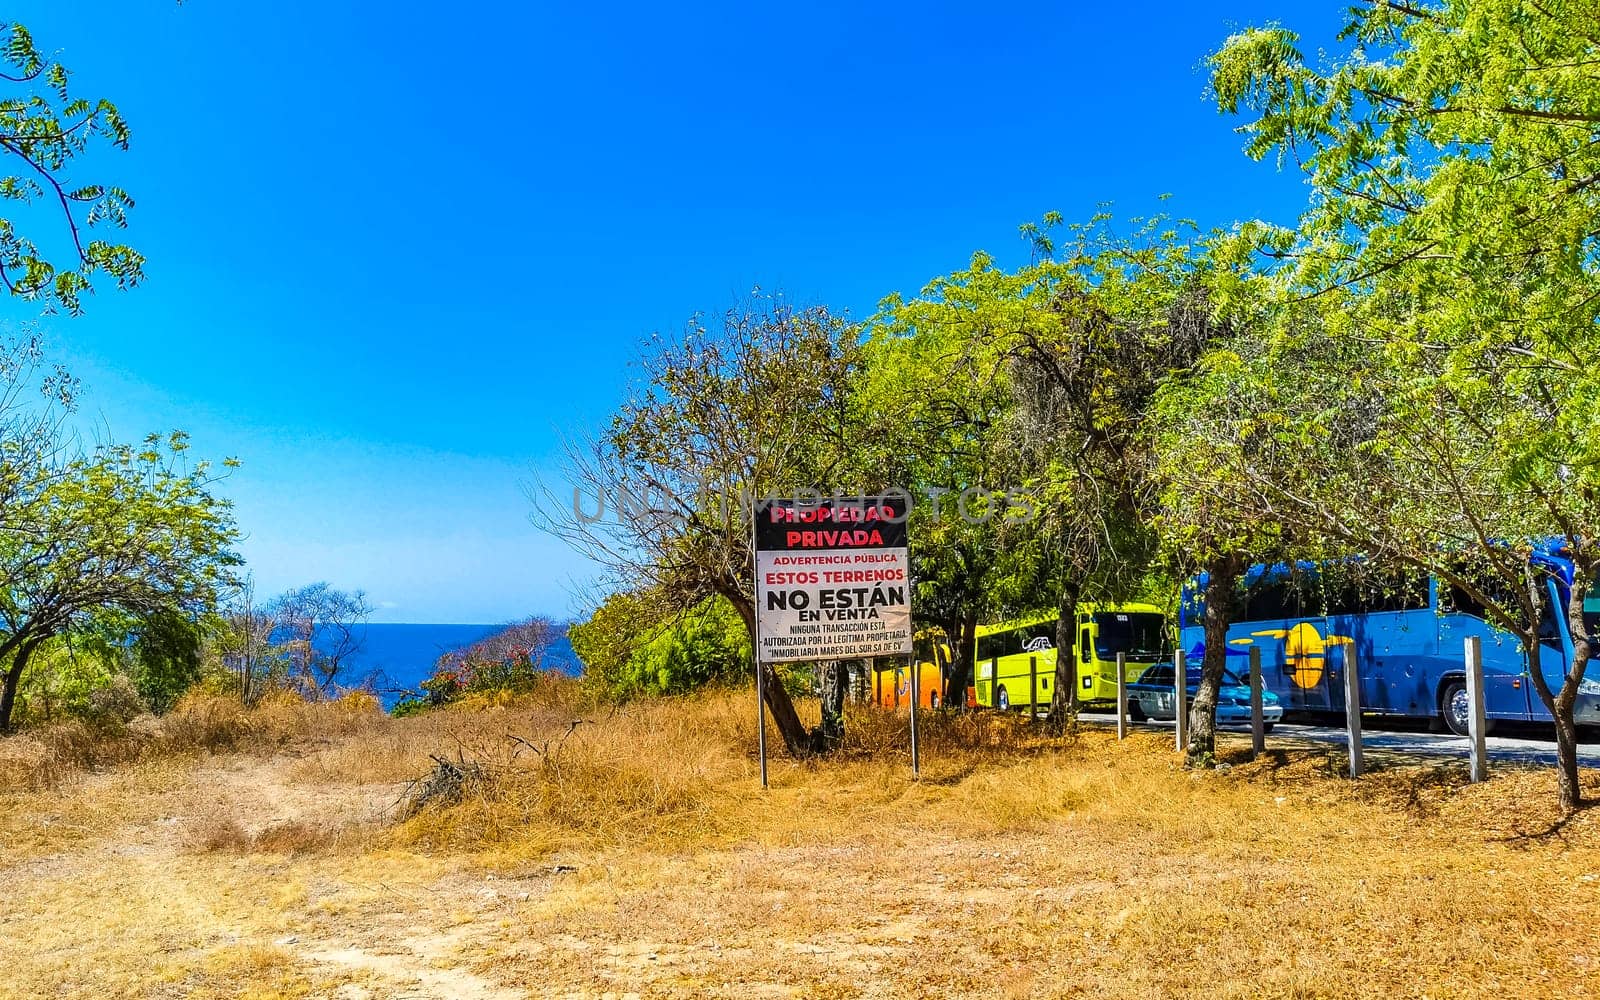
(1180, 668)
(1258, 731)
(1033, 688)
(1352, 708)
(916, 691)
(1122, 695)
(1475, 710)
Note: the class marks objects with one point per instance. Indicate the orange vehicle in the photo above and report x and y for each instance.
(891, 681)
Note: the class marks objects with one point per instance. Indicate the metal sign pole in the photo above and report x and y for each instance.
(916, 694)
(761, 718)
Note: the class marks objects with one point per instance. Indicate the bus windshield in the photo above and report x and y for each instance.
(1138, 635)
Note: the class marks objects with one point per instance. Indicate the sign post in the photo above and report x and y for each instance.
(761, 718)
(833, 582)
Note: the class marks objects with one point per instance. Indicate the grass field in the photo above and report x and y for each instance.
(263, 854)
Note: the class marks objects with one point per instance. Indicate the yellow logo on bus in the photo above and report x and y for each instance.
(1305, 651)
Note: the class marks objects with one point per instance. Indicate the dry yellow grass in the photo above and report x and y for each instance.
(634, 852)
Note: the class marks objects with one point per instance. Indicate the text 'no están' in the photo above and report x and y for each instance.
(838, 598)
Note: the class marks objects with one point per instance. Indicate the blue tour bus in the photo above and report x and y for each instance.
(1407, 638)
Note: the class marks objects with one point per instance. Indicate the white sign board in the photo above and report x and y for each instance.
(832, 580)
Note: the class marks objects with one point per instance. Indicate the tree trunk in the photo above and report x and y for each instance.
(1222, 604)
(1064, 699)
(1563, 704)
(830, 733)
(795, 738)
(20, 654)
(966, 632)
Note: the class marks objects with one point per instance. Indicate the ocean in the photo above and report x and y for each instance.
(400, 657)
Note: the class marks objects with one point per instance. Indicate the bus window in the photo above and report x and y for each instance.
(1462, 602)
(1084, 645)
(1139, 635)
(1036, 638)
(1395, 593)
(1272, 601)
(994, 646)
(1549, 623)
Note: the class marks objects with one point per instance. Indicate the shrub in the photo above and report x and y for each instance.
(627, 655)
(115, 704)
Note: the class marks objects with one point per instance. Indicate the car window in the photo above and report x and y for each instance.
(1157, 675)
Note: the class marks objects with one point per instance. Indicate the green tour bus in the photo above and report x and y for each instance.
(1010, 655)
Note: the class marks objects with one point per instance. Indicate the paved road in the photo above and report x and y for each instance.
(1526, 744)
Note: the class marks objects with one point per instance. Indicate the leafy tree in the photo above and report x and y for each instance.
(119, 530)
(1450, 245)
(757, 404)
(706, 644)
(166, 657)
(1070, 351)
(44, 130)
(607, 640)
(936, 382)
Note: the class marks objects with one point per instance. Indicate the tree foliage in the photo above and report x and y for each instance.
(754, 404)
(45, 130)
(1430, 366)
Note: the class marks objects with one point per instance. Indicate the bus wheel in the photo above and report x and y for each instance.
(1453, 704)
(933, 699)
(1002, 701)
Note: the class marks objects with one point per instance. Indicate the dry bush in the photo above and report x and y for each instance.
(873, 731)
(653, 770)
(678, 773)
(42, 758)
(224, 832)
(217, 833)
(28, 764)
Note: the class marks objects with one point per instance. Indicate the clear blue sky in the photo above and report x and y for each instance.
(397, 251)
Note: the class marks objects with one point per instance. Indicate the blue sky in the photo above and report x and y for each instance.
(397, 252)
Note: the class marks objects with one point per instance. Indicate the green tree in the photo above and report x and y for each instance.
(1058, 365)
(45, 129)
(753, 405)
(166, 656)
(935, 378)
(1450, 245)
(123, 529)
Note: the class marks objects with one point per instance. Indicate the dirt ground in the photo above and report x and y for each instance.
(1087, 869)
